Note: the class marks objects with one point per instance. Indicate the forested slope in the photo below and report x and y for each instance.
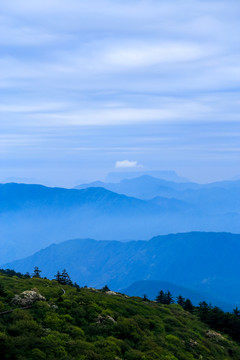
(64, 323)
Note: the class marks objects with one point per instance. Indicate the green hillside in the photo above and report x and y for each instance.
(72, 323)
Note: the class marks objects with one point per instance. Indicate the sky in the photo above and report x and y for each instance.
(89, 87)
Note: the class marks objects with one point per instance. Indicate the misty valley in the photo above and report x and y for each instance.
(129, 249)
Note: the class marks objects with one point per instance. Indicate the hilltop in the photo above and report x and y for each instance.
(67, 323)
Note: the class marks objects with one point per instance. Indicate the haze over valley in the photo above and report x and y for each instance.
(35, 216)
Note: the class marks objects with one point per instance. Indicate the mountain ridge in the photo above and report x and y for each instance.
(34, 216)
(151, 289)
(213, 263)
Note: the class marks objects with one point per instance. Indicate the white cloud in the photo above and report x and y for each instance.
(108, 67)
(30, 108)
(145, 54)
(127, 164)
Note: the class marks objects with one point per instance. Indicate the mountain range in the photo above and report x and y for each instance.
(204, 262)
(225, 194)
(34, 216)
(169, 175)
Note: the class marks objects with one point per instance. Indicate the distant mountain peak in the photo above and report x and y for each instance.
(169, 175)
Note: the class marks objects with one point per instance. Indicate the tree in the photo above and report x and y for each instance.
(203, 310)
(105, 288)
(66, 278)
(180, 300)
(165, 298)
(168, 298)
(188, 306)
(76, 286)
(63, 278)
(145, 298)
(36, 272)
(58, 277)
(236, 311)
(160, 297)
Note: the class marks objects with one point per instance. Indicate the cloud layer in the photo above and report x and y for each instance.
(83, 74)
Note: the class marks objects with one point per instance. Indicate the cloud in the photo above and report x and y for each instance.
(30, 108)
(145, 54)
(127, 164)
(79, 73)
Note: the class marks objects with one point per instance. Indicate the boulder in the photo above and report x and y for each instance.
(28, 298)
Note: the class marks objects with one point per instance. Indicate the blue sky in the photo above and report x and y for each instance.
(86, 85)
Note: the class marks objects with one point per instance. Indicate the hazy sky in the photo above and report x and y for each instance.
(89, 85)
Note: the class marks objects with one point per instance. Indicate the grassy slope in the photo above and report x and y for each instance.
(140, 330)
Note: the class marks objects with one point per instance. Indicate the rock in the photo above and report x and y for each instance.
(27, 298)
(112, 293)
(193, 342)
(55, 307)
(100, 319)
(214, 335)
(93, 289)
(104, 319)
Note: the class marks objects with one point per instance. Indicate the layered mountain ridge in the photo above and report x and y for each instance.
(33, 216)
(205, 262)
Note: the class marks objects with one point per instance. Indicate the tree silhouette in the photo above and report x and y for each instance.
(36, 272)
(63, 278)
(145, 298)
(168, 298)
(236, 311)
(165, 298)
(180, 300)
(58, 277)
(105, 288)
(160, 297)
(188, 306)
(27, 275)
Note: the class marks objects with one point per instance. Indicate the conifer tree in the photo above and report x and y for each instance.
(236, 311)
(65, 278)
(188, 306)
(105, 288)
(168, 298)
(145, 298)
(76, 286)
(36, 272)
(27, 275)
(180, 300)
(58, 277)
(160, 297)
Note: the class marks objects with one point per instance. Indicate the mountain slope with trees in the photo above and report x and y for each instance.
(67, 323)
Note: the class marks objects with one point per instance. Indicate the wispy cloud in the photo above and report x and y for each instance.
(144, 54)
(84, 70)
